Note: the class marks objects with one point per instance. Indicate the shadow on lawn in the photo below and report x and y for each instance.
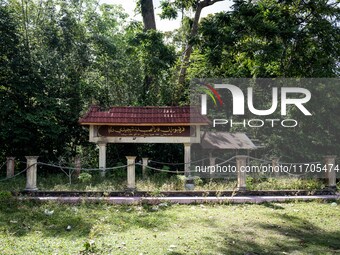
(292, 234)
(273, 206)
(297, 235)
(306, 233)
(23, 218)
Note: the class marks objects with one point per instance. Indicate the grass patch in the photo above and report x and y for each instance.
(281, 183)
(271, 228)
(156, 182)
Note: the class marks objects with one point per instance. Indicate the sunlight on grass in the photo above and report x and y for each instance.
(286, 228)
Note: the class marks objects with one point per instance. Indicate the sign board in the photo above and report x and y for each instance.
(145, 131)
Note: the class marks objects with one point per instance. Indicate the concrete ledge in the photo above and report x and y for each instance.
(182, 200)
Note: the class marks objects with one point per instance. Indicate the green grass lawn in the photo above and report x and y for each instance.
(285, 228)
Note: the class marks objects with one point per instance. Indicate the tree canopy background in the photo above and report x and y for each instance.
(57, 57)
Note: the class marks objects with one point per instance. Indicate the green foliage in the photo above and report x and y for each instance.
(5, 195)
(166, 168)
(156, 58)
(59, 57)
(179, 181)
(249, 182)
(271, 39)
(154, 182)
(89, 247)
(283, 184)
(85, 177)
(7, 200)
(168, 10)
(44, 92)
(267, 39)
(120, 173)
(198, 181)
(156, 193)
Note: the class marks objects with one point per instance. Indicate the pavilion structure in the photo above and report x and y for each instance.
(217, 143)
(144, 124)
(226, 141)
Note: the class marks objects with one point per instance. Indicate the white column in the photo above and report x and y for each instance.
(241, 162)
(187, 159)
(131, 182)
(102, 158)
(145, 165)
(330, 174)
(275, 165)
(10, 167)
(31, 173)
(212, 161)
(77, 165)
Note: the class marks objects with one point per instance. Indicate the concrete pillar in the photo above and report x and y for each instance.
(145, 165)
(241, 162)
(102, 158)
(212, 161)
(275, 165)
(330, 174)
(31, 173)
(131, 180)
(10, 167)
(77, 165)
(187, 159)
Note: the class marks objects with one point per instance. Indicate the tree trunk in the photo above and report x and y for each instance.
(148, 14)
(188, 48)
(149, 23)
(193, 33)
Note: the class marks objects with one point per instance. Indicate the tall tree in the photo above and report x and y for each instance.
(156, 54)
(148, 14)
(58, 57)
(197, 7)
(170, 10)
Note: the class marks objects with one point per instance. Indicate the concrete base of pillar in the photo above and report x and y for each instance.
(241, 189)
(130, 190)
(31, 189)
(331, 188)
(102, 173)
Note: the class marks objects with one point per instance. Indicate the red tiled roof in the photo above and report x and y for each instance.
(144, 115)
